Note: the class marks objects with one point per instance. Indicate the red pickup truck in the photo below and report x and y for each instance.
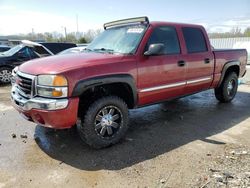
(133, 63)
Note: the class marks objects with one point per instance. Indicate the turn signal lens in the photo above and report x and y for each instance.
(52, 91)
(60, 81)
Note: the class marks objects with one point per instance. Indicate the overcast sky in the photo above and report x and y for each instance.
(21, 16)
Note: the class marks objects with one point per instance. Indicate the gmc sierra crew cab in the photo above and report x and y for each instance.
(133, 63)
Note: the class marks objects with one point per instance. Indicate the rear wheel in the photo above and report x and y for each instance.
(228, 89)
(5, 75)
(104, 123)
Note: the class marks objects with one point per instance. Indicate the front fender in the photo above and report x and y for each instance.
(83, 85)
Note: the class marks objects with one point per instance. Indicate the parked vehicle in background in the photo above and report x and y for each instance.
(17, 55)
(133, 63)
(57, 47)
(246, 45)
(74, 50)
(26, 51)
(4, 48)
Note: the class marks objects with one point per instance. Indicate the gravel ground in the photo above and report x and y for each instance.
(191, 142)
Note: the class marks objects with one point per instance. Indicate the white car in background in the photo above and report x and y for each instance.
(74, 50)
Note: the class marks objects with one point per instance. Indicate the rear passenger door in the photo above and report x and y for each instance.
(199, 60)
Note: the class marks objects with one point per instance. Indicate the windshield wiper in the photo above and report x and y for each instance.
(87, 49)
(104, 50)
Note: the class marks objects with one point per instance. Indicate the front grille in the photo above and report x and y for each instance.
(24, 84)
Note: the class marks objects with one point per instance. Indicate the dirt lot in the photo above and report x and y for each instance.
(191, 142)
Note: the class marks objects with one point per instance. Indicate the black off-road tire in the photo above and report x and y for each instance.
(222, 93)
(87, 126)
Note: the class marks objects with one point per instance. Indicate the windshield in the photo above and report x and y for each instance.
(13, 50)
(123, 40)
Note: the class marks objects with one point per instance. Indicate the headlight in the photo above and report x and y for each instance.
(52, 86)
(52, 80)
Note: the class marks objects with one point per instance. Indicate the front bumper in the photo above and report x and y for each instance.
(53, 113)
(37, 102)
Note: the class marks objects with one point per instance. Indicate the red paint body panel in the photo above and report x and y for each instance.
(82, 66)
(216, 80)
(148, 72)
(222, 56)
(158, 96)
(156, 71)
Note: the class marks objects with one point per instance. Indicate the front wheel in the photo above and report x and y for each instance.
(104, 123)
(228, 88)
(5, 75)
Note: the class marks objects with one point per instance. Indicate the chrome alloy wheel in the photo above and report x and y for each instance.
(108, 121)
(230, 87)
(5, 76)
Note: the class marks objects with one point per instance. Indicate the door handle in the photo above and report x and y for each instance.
(207, 60)
(181, 63)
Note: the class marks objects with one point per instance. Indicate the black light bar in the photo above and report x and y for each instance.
(143, 20)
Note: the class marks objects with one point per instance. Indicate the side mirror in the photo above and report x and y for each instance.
(154, 49)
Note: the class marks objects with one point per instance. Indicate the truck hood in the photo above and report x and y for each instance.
(61, 63)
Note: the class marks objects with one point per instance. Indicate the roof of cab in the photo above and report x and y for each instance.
(159, 23)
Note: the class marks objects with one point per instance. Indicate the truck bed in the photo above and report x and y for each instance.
(222, 56)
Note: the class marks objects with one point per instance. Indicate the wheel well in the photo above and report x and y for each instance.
(234, 68)
(121, 90)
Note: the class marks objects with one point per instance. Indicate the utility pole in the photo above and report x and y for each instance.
(65, 31)
(33, 34)
(76, 26)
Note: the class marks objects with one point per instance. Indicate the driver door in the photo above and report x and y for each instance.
(162, 76)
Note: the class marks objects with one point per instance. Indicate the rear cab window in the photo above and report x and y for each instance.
(194, 39)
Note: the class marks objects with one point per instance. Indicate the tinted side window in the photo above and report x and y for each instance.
(194, 39)
(25, 52)
(32, 53)
(167, 36)
(40, 51)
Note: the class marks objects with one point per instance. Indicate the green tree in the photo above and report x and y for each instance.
(49, 37)
(82, 40)
(71, 38)
(91, 34)
(247, 32)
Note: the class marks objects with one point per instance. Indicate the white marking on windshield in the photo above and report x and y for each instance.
(135, 30)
